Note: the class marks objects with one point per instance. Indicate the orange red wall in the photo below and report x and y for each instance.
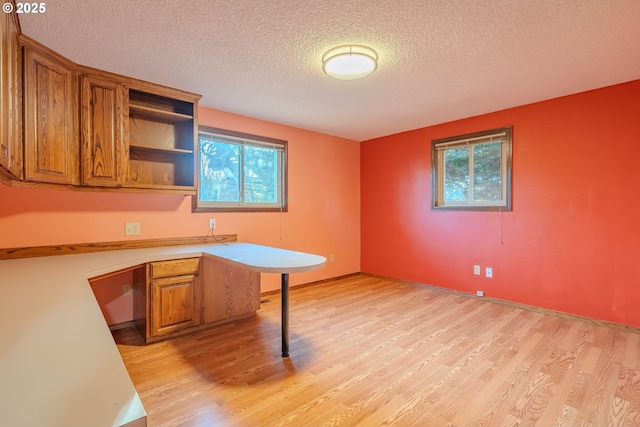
(323, 216)
(572, 241)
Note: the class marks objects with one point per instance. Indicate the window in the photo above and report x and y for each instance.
(240, 172)
(472, 172)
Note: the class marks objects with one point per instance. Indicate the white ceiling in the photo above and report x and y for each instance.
(440, 60)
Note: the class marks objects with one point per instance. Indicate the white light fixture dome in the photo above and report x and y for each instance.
(349, 62)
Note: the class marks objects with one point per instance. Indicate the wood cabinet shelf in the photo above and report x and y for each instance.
(153, 113)
(169, 151)
(154, 168)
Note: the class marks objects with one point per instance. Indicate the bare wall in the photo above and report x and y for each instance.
(572, 241)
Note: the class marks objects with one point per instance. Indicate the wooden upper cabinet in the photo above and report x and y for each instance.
(162, 132)
(10, 97)
(51, 110)
(90, 128)
(104, 127)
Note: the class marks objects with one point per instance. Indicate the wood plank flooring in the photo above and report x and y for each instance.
(367, 351)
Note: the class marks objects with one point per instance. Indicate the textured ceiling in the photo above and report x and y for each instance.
(440, 60)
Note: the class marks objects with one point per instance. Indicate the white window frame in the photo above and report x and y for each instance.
(243, 140)
(438, 150)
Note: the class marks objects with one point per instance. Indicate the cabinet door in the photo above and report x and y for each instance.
(51, 132)
(4, 90)
(103, 132)
(175, 304)
(10, 97)
(228, 291)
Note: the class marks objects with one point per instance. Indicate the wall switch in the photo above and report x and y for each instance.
(212, 223)
(126, 290)
(476, 270)
(332, 258)
(480, 293)
(489, 272)
(132, 229)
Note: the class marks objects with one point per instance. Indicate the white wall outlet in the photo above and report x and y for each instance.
(476, 270)
(126, 290)
(132, 229)
(480, 293)
(488, 272)
(212, 223)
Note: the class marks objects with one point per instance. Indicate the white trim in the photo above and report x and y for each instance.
(472, 141)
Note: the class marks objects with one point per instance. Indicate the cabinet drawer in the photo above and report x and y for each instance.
(175, 267)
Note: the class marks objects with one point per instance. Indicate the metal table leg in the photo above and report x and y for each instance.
(285, 314)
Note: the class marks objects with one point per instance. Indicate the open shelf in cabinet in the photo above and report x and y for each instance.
(161, 141)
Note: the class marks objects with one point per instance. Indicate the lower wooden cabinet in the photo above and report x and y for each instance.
(180, 296)
(174, 304)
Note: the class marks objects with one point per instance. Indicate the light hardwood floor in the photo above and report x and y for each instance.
(367, 351)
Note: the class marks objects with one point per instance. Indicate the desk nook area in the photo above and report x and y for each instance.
(60, 365)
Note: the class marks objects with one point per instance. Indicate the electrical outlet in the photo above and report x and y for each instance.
(489, 272)
(476, 270)
(132, 229)
(126, 290)
(480, 293)
(212, 223)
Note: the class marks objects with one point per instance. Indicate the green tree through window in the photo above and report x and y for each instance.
(240, 171)
(472, 172)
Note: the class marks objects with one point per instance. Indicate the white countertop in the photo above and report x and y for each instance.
(59, 365)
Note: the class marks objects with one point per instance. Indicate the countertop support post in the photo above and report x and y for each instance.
(285, 314)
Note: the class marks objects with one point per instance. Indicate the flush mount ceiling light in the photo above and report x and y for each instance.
(349, 62)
